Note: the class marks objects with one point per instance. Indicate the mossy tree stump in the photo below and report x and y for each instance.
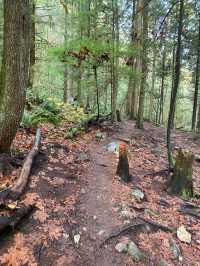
(181, 181)
(123, 165)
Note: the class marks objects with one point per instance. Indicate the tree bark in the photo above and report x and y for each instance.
(175, 83)
(144, 66)
(32, 45)
(194, 114)
(162, 88)
(15, 69)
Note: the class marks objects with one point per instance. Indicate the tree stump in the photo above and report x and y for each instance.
(181, 181)
(123, 165)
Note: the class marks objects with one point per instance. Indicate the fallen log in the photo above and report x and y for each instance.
(14, 192)
(85, 124)
(10, 221)
(21, 183)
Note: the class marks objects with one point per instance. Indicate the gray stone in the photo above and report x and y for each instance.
(138, 194)
(100, 135)
(122, 247)
(174, 248)
(112, 147)
(127, 214)
(184, 235)
(82, 157)
(134, 252)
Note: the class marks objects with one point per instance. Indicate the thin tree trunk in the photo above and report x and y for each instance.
(175, 83)
(162, 88)
(15, 66)
(194, 114)
(144, 66)
(97, 91)
(32, 45)
(65, 94)
(153, 78)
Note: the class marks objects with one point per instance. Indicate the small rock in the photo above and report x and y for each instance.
(122, 247)
(127, 222)
(77, 239)
(84, 229)
(94, 217)
(82, 157)
(112, 147)
(175, 248)
(184, 235)
(101, 232)
(83, 191)
(134, 252)
(127, 214)
(138, 194)
(100, 135)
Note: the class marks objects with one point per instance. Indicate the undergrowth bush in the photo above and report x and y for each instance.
(54, 112)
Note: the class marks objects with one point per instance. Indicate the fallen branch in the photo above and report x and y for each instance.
(17, 189)
(85, 124)
(11, 221)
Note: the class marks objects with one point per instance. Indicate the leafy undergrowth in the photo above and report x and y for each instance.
(53, 111)
(61, 173)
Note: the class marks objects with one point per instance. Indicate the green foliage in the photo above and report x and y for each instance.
(53, 111)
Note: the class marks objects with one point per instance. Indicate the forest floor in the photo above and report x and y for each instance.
(80, 201)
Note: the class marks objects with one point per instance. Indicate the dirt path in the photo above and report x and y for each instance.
(75, 197)
(97, 203)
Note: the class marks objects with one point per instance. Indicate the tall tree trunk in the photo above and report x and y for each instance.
(97, 91)
(65, 93)
(32, 45)
(175, 83)
(144, 65)
(162, 87)
(15, 66)
(153, 79)
(131, 88)
(114, 62)
(194, 114)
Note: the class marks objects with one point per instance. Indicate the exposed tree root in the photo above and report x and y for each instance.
(140, 223)
(191, 209)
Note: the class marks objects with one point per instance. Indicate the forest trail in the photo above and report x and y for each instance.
(77, 194)
(98, 201)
